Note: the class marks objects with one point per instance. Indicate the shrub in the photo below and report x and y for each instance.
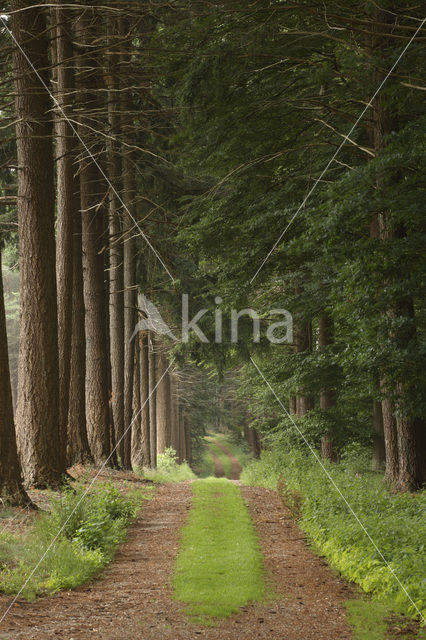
(67, 546)
(168, 469)
(395, 522)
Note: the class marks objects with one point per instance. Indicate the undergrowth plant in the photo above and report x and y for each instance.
(67, 546)
(396, 523)
(168, 469)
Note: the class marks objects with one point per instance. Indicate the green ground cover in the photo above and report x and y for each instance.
(220, 566)
(68, 545)
(395, 522)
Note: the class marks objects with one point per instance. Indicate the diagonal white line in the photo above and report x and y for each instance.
(102, 467)
(96, 163)
(336, 487)
(339, 148)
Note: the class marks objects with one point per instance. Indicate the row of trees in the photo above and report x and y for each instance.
(89, 390)
(266, 102)
(185, 144)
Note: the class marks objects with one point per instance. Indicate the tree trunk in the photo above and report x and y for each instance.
(144, 391)
(92, 204)
(410, 428)
(379, 455)
(187, 426)
(253, 440)
(67, 208)
(130, 304)
(116, 256)
(37, 412)
(163, 408)
(11, 490)
(129, 253)
(182, 437)
(303, 341)
(391, 441)
(136, 455)
(174, 416)
(328, 396)
(78, 449)
(152, 404)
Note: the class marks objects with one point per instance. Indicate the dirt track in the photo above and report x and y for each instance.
(235, 465)
(132, 599)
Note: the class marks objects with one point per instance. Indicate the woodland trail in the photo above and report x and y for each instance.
(133, 597)
(235, 465)
(218, 466)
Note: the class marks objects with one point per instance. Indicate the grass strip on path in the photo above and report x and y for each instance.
(220, 566)
(224, 459)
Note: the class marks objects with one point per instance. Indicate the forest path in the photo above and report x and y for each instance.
(235, 465)
(218, 466)
(133, 598)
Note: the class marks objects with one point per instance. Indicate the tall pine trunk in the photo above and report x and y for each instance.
(129, 250)
(144, 392)
(67, 207)
(78, 449)
(303, 341)
(93, 192)
(328, 395)
(136, 455)
(187, 427)
(152, 404)
(116, 278)
(37, 412)
(379, 453)
(11, 489)
(174, 416)
(163, 404)
(408, 430)
(130, 304)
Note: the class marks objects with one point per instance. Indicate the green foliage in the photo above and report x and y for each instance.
(367, 619)
(66, 547)
(236, 445)
(395, 523)
(252, 132)
(168, 469)
(205, 467)
(219, 567)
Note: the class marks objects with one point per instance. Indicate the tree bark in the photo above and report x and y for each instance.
(67, 208)
(116, 255)
(328, 396)
(187, 426)
(78, 449)
(129, 253)
(145, 417)
(136, 449)
(37, 413)
(12, 491)
(391, 441)
(182, 437)
(253, 440)
(152, 404)
(93, 192)
(163, 409)
(303, 341)
(379, 454)
(408, 429)
(174, 416)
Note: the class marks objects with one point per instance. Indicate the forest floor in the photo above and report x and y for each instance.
(133, 598)
(219, 471)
